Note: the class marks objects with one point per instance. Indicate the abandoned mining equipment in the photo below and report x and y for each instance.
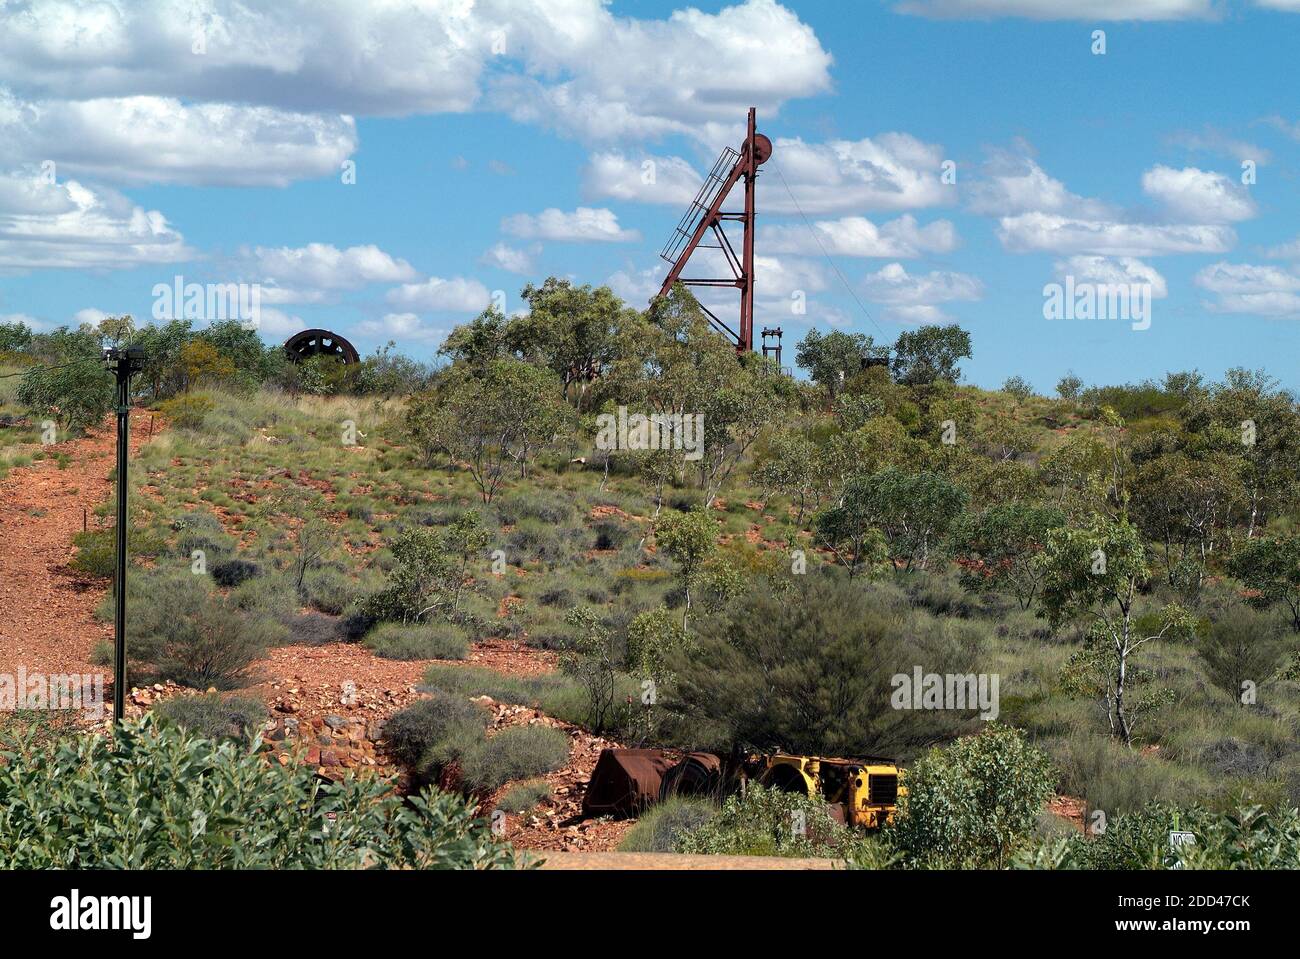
(858, 792)
(303, 346)
(704, 216)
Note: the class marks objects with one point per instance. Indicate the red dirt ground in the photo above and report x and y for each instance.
(46, 609)
(47, 624)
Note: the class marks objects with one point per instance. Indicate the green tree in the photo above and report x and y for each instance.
(478, 343)
(805, 669)
(691, 540)
(1249, 415)
(116, 330)
(912, 511)
(1186, 506)
(1270, 567)
(1068, 387)
(1094, 575)
(426, 578)
(1241, 646)
(593, 660)
(787, 467)
(1018, 388)
(930, 353)
(572, 330)
(998, 548)
(833, 358)
(500, 418)
(78, 395)
(15, 336)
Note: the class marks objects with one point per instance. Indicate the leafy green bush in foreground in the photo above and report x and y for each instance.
(1248, 838)
(970, 806)
(153, 798)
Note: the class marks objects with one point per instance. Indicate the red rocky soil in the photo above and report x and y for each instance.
(46, 609)
(327, 703)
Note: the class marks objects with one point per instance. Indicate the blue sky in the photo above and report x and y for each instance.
(496, 143)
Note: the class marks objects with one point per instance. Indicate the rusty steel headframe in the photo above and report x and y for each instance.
(706, 215)
(303, 346)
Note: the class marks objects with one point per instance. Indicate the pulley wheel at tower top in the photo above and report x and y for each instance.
(762, 148)
(303, 346)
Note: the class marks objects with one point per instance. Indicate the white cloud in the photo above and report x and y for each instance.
(583, 225)
(1256, 290)
(642, 179)
(634, 80)
(1289, 250)
(571, 64)
(457, 295)
(779, 277)
(279, 325)
(1212, 140)
(637, 287)
(510, 259)
(1051, 233)
(69, 225)
(892, 172)
(915, 298)
(14, 318)
(160, 140)
(89, 315)
(298, 54)
(320, 266)
(1011, 182)
(1246, 278)
(1037, 213)
(402, 327)
(858, 236)
(1198, 196)
(1108, 271)
(1063, 9)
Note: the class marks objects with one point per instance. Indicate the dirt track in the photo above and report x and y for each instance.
(46, 609)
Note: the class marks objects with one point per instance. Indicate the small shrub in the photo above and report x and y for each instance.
(415, 733)
(551, 508)
(330, 590)
(769, 822)
(1241, 646)
(539, 541)
(425, 641)
(610, 534)
(187, 412)
(315, 629)
(96, 553)
(665, 825)
(181, 630)
(210, 716)
(517, 752)
(232, 572)
(525, 796)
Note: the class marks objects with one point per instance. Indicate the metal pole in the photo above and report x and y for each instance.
(123, 370)
(747, 268)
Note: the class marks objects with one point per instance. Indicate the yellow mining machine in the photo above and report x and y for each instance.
(860, 792)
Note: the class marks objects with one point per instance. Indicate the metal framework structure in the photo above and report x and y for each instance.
(309, 343)
(705, 216)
